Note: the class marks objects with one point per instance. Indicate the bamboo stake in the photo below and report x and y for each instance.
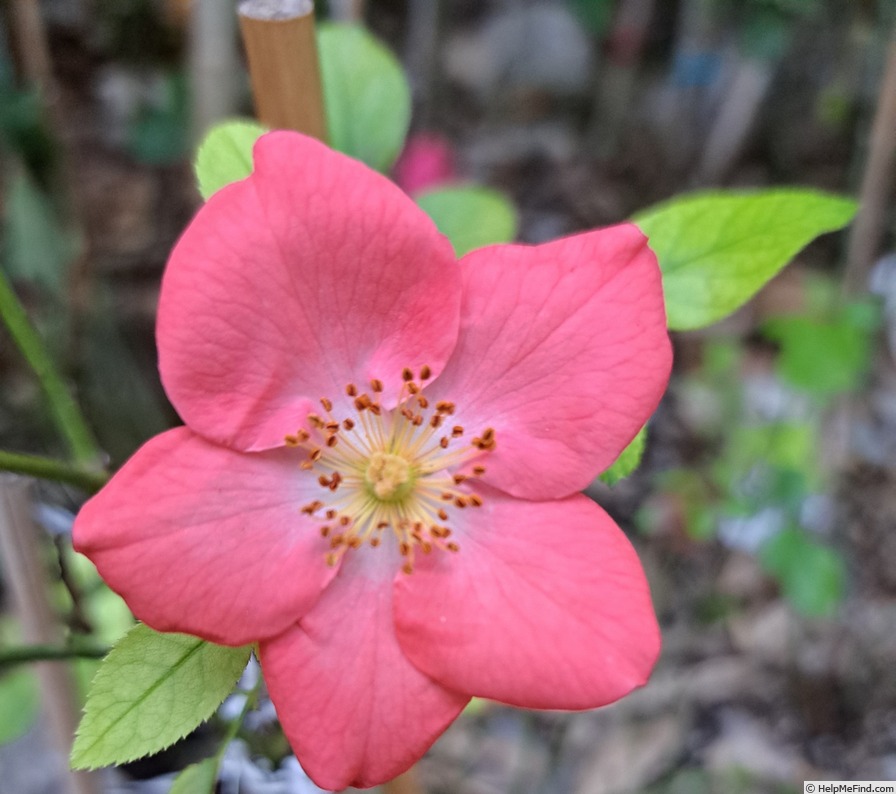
(25, 574)
(877, 181)
(283, 64)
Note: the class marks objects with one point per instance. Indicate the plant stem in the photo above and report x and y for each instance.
(51, 469)
(235, 724)
(49, 653)
(68, 417)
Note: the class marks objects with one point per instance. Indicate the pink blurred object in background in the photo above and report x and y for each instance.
(426, 161)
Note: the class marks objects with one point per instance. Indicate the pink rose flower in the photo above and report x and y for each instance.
(377, 481)
(426, 161)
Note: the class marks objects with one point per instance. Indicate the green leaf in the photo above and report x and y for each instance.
(596, 15)
(198, 778)
(36, 246)
(19, 692)
(366, 95)
(812, 576)
(151, 690)
(225, 154)
(787, 445)
(717, 249)
(628, 460)
(824, 356)
(18, 703)
(158, 135)
(470, 216)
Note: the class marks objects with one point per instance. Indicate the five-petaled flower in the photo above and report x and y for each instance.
(377, 481)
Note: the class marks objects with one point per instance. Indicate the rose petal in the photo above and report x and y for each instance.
(313, 272)
(200, 539)
(563, 351)
(354, 709)
(545, 605)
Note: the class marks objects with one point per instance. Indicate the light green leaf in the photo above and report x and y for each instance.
(225, 154)
(824, 356)
(812, 576)
(18, 703)
(366, 95)
(151, 690)
(628, 460)
(717, 249)
(197, 778)
(470, 216)
(158, 136)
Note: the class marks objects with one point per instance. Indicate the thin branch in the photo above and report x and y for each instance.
(43, 468)
(67, 415)
(49, 653)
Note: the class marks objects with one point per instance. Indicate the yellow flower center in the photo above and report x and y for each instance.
(390, 478)
(408, 469)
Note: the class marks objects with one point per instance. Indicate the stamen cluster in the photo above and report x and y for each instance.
(407, 469)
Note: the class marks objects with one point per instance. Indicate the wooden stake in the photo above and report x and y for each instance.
(283, 64)
(877, 182)
(25, 574)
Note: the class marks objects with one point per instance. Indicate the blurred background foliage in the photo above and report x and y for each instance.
(765, 510)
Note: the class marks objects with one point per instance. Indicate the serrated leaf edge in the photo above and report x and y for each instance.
(126, 759)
